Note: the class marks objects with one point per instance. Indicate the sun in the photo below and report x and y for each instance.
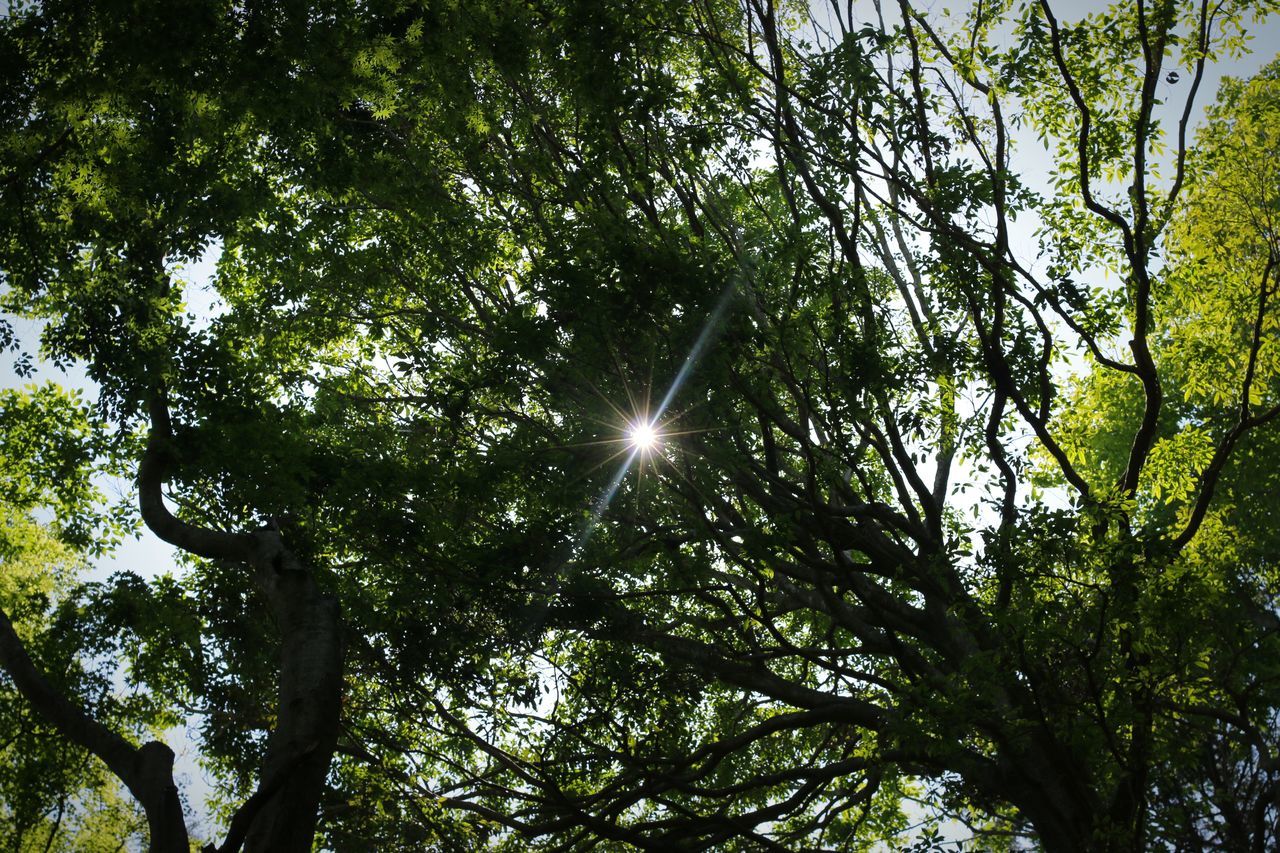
(643, 436)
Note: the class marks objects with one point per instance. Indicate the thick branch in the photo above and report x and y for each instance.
(282, 815)
(146, 771)
(203, 542)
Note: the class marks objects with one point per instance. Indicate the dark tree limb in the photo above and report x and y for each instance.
(243, 818)
(309, 694)
(147, 771)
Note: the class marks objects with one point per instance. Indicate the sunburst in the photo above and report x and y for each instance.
(644, 437)
(646, 433)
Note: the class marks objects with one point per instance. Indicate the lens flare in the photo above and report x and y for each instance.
(643, 436)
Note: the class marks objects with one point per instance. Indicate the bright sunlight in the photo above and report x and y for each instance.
(643, 436)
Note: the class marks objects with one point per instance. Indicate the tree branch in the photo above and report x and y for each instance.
(147, 771)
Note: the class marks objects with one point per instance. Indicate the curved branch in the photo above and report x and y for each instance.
(147, 771)
(1245, 422)
(282, 814)
(1086, 126)
(156, 458)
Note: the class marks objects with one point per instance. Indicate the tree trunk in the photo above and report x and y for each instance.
(158, 793)
(281, 817)
(309, 705)
(1051, 789)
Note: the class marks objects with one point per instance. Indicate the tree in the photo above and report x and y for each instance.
(55, 795)
(1209, 477)
(885, 546)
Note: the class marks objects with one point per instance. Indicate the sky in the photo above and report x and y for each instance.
(145, 555)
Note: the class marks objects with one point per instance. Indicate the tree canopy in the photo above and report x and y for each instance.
(953, 336)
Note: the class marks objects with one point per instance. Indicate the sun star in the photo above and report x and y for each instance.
(643, 437)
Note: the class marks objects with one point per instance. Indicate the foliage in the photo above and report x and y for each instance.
(54, 795)
(928, 520)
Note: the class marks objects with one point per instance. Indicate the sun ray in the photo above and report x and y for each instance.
(596, 443)
(673, 433)
(606, 497)
(606, 461)
(648, 386)
(645, 429)
(605, 399)
(673, 418)
(695, 353)
(626, 386)
(635, 508)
